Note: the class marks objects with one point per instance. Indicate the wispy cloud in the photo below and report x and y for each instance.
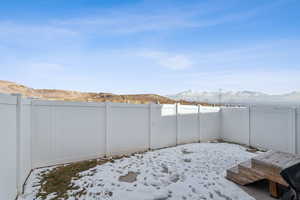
(110, 48)
(271, 66)
(142, 17)
(167, 60)
(36, 36)
(140, 20)
(120, 21)
(274, 54)
(11, 28)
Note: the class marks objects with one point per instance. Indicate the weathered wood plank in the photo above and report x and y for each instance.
(264, 166)
(275, 161)
(233, 175)
(272, 163)
(246, 170)
(273, 189)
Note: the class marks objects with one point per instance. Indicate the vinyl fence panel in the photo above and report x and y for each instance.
(210, 120)
(235, 124)
(188, 124)
(25, 141)
(163, 126)
(129, 129)
(8, 147)
(273, 128)
(298, 130)
(65, 132)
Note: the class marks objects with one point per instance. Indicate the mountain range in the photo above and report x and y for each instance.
(238, 97)
(67, 95)
(188, 97)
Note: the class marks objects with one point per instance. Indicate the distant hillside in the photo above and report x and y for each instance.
(239, 97)
(66, 95)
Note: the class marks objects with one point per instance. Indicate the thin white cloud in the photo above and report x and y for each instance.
(75, 30)
(54, 41)
(36, 36)
(177, 62)
(135, 21)
(138, 23)
(266, 66)
(263, 54)
(44, 68)
(167, 60)
(10, 28)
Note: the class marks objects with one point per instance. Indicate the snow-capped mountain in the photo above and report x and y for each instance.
(240, 97)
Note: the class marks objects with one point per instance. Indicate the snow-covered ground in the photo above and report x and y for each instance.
(192, 171)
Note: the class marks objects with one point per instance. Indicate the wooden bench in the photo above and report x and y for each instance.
(264, 166)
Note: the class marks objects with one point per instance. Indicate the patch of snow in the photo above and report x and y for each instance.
(164, 174)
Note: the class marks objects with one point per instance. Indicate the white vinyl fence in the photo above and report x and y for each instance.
(266, 127)
(24, 140)
(8, 147)
(210, 121)
(43, 133)
(163, 126)
(235, 125)
(297, 130)
(38, 133)
(273, 128)
(71, 131)
(188, 124)
(67, 131)
(128, 129)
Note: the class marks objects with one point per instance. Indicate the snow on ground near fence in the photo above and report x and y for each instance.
(192, 171)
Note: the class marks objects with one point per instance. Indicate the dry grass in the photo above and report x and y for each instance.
(59, 179)
(250, 149)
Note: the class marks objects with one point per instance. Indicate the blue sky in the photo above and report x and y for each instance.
(154, 46)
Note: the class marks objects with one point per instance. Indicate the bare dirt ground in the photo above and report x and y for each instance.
(259, 190)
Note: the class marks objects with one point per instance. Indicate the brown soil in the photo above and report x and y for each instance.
(130, 177)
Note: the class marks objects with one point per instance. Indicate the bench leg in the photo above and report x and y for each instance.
(273, 189)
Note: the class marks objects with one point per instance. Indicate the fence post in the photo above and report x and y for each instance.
(294, 136)
(18, 142)
(150, 124)
(107, 130)
(296, 131)
(31, 132)
(221, 123)
(199, 122)
(249, 129)
(177, 121)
